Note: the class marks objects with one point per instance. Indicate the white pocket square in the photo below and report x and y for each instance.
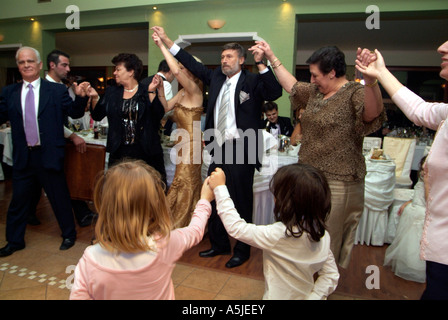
(244, 97)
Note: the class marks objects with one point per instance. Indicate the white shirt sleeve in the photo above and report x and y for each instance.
(174, 49)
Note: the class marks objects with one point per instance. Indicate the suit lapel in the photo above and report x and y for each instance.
(44, 95)
(17, 97)
(221, 78)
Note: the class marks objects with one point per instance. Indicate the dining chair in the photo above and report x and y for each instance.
(378, 196)
(401, 150)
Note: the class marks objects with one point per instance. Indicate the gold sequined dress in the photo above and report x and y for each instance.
(185, 190)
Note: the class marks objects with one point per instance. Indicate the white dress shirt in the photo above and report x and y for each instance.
(167, 88)
(232, 130)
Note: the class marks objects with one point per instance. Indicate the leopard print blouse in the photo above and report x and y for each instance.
(333, 130)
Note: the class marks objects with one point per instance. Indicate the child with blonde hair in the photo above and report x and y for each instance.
(136, 248)
(296, 248)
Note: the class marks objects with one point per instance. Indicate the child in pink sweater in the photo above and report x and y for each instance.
(136, 248)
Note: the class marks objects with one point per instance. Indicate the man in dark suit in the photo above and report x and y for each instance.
(58, 64)
(274, 123)
(36, 110)
(234, 144)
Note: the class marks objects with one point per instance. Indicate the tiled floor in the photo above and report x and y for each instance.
(41, 270)
(39, 273)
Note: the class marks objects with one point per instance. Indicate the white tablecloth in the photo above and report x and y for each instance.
(6, 141)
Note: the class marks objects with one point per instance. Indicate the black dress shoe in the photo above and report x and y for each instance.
(87, 219)
(67, 244)
(235, 262)
(9, 250)
(212, 253)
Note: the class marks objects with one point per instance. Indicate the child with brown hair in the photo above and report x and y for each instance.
(136, 248)
(297, 246)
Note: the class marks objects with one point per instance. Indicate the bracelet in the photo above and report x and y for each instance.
(372, 84)
(153, 92)
(259, 62)
(161, 96)
(276, 66)
(276, 59)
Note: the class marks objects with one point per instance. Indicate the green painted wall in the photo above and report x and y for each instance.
(273, 20)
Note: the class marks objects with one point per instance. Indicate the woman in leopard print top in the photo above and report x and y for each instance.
(338, 114)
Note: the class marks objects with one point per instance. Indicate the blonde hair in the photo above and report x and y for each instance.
(131, 205)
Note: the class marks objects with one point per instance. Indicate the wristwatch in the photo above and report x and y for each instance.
(259, 62)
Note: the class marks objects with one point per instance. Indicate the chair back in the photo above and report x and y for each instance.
(401, 150)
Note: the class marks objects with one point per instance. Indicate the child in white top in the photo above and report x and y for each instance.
(297, 246)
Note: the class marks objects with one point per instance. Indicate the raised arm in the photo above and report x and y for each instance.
(156, 88)
(285, 78)
(187, 83)
(373, 100)
(377, 70)
(195, 67)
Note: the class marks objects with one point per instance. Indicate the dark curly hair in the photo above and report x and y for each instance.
(302, 200)
(329, 58)
(130, 62)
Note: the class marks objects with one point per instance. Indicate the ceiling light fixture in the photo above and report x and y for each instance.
(216, 23)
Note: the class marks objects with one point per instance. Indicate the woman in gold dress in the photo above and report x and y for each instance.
(185, 190)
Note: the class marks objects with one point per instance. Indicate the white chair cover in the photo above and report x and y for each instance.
(401, 150)
(378, 196)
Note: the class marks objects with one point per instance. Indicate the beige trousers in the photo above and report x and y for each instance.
(347, 204)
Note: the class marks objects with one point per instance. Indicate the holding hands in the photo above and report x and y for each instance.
(260, 49)
(369, 63)
(206, 191)
(159, 35)
(217, 178)
(81, 89)
(156, 83)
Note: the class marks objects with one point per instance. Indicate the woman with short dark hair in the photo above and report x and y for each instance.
(338, 113)
(133, 114)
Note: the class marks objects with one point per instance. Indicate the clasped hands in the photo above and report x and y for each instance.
(216, 178)
(84, 89)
